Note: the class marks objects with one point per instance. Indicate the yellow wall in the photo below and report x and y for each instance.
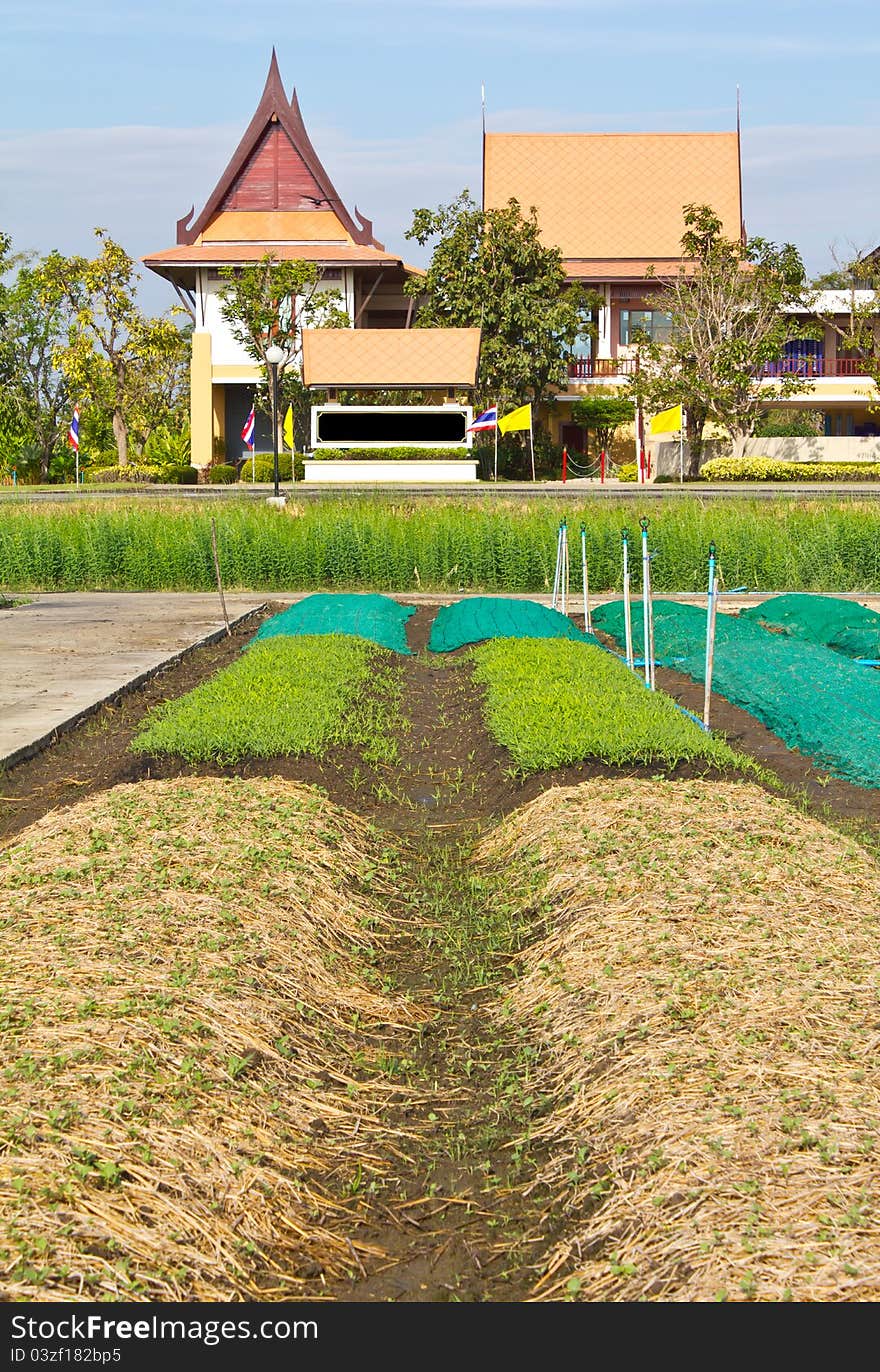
(201, 408)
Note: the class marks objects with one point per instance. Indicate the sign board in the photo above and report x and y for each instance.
(391, 426)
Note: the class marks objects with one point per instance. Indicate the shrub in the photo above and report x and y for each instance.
(222, 474)
(773, 469)
(167, 448)
(627, 471)
(131, 474)
(388, 454)
(261, 468)
(181, 476)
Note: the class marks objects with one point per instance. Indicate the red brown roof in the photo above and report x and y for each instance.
(275, 168)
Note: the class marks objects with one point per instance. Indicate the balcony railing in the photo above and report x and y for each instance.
(812, 366)
(809, 366)
(588, 368)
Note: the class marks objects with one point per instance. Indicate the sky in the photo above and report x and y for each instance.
(123, 114)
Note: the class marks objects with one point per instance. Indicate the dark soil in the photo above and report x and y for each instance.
(459, 1221)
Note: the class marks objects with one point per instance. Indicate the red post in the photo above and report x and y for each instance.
(602, 466)
(564, 464)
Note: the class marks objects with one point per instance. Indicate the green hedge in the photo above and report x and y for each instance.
(773, 469)
(222, 474)
(389, 454)
(262, 468)
(131, 474)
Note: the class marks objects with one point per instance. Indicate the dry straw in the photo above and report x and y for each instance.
(185, 974)
(704, 987)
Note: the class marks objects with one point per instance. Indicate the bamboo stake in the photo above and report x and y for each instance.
(217, 574)
(710, 634)
(646, 602)
(586, 579)
(627, 606)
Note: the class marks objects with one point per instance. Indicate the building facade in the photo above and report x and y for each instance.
(273, 197)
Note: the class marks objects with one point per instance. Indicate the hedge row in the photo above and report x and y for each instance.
(772, 469)
(389, 454)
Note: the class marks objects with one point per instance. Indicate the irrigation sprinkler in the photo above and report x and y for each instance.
(711, 604)
(561, 575)
(627, 606)
(558, 571)
(565, 570)
(586, 578)
(647, 609)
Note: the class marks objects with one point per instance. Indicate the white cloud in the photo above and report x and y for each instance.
(809, 184)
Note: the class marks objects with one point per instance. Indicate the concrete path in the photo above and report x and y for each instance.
(61, 655)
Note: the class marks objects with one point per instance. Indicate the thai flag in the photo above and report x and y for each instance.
(487, 420)
(73, 431)
(247, 432)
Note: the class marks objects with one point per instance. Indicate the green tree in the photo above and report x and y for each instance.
(34, 321)
(112, 350)
(728, 321)
(490, 270)
(271, 302)
(602, 415)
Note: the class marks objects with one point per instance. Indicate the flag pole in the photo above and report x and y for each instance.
(532, 443)
(681, 446)
(497, 417)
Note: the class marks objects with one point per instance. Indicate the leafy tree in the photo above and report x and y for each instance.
(112, 351)
(271, 302)
(490, 270)
(728, 320)
(603, 415)
(34, 321)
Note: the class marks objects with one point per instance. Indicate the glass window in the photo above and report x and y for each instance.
(654, 324)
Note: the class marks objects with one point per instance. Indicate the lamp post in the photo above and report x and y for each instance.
(275, 356)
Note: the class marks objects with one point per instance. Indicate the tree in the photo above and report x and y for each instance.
(728, 320)
(272, 302)
(34, 322)
(112, 350)
(490, 270)
(603, 415)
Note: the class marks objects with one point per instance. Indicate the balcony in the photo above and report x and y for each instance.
(815, 366)
(596, 368)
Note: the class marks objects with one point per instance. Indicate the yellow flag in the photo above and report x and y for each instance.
(517, 419)
(667, 421)
(287, 428)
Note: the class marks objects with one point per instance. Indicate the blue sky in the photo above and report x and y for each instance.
(123, 113)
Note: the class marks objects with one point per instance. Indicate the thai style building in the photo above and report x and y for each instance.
(613, 205)
(274, 196)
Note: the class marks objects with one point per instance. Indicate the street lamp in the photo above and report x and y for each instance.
(275, 356)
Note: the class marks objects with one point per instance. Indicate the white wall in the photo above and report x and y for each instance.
(226, 351)
(665, 454)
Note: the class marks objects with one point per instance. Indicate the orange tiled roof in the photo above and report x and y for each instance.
(613, 195)
(417, 358)
(622, 268)
(223, 254)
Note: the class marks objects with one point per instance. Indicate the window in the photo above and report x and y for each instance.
(653, 323)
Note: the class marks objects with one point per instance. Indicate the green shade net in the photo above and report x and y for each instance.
(843, 625)
(482, 617)
(375, 617)
(814, 699)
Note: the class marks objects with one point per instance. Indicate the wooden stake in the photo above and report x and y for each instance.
(217, 574)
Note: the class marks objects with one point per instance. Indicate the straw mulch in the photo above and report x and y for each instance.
(704, 989)
(184, 979)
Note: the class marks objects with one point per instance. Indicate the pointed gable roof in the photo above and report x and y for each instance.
(275, 167)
